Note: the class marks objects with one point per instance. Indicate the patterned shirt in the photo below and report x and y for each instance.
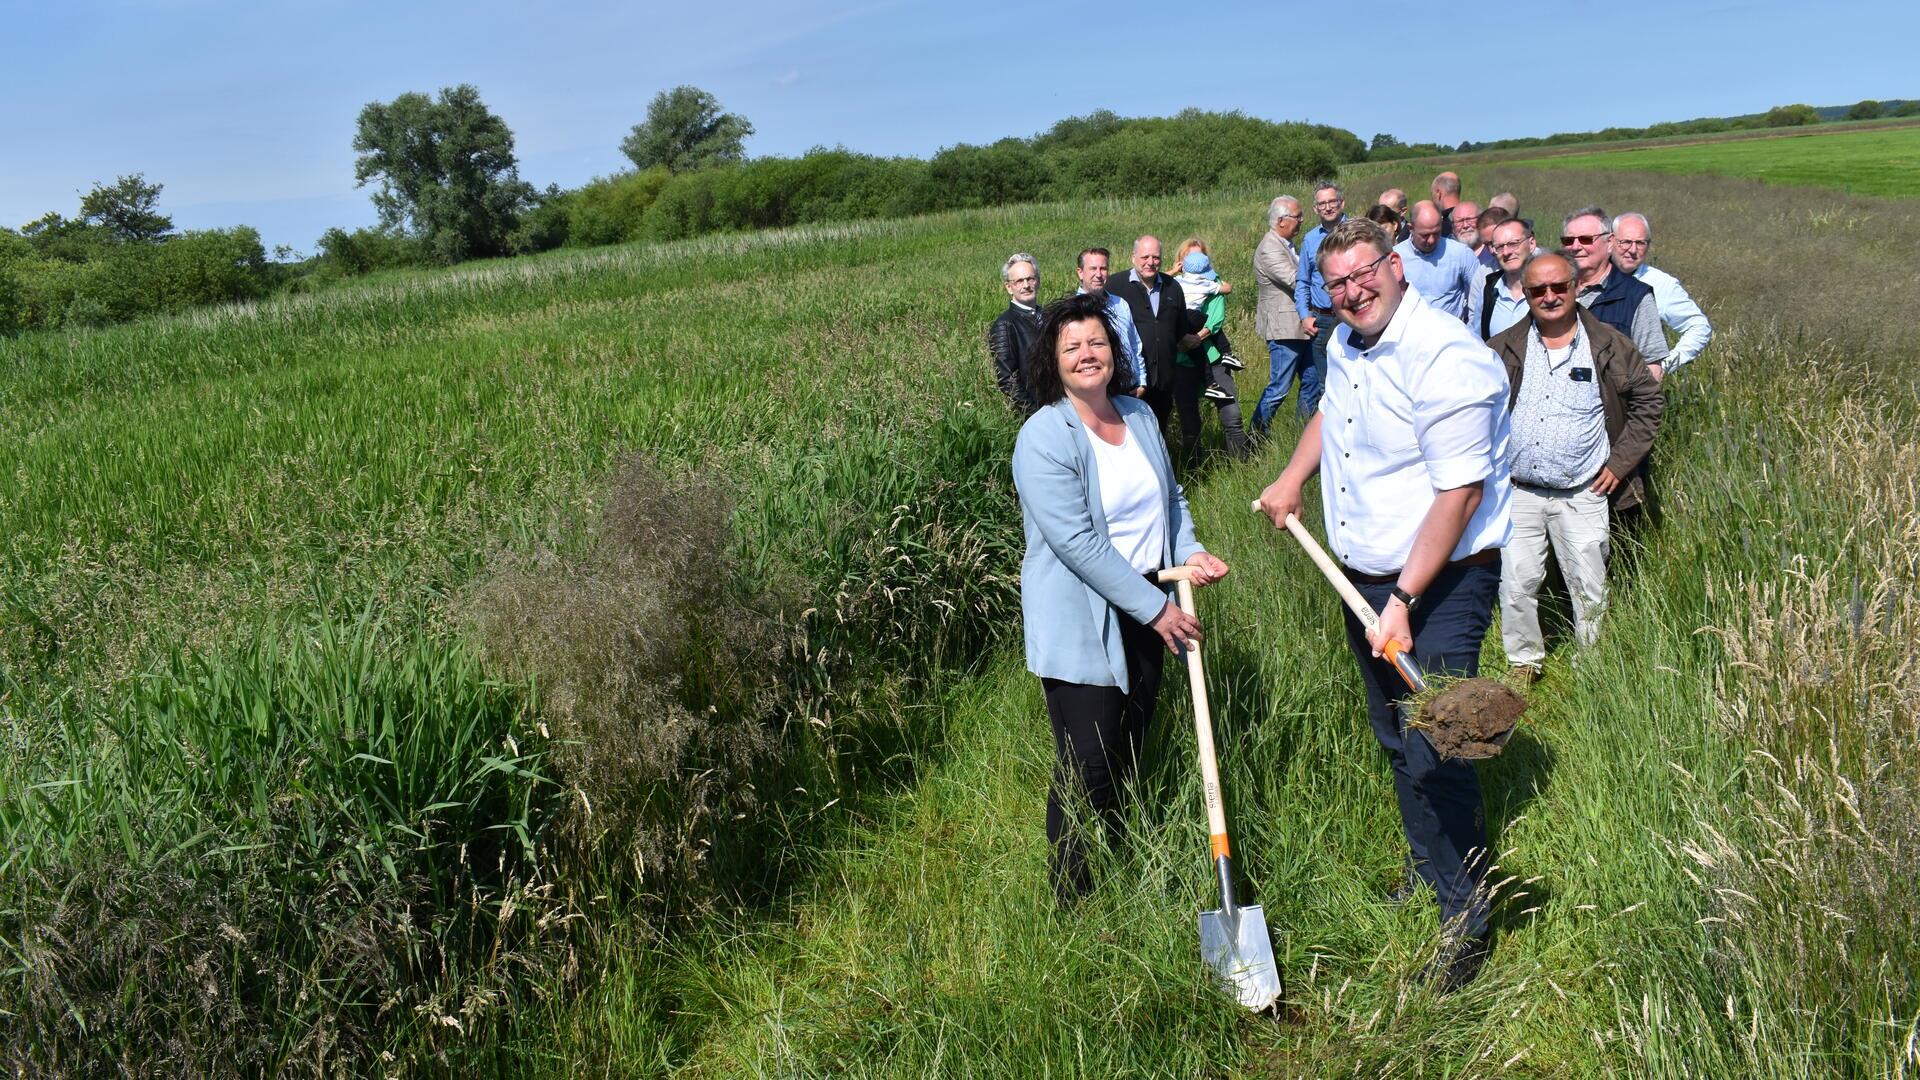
(1559, 427)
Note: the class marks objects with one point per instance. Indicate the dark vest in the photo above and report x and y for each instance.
(1619, 298)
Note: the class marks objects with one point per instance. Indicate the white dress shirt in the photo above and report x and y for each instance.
(1131, 499)
(1423, 411)
(1680, 313)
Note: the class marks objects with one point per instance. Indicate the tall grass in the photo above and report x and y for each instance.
(1705, 830)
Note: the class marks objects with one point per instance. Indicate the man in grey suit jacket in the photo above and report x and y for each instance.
(1275, 267)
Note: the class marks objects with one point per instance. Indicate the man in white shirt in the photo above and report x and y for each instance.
(1632, 244)
(1411, 445)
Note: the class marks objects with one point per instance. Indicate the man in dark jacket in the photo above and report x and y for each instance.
(1012, 335)
(1160, 313)
(1622, 301)
(1584, 410)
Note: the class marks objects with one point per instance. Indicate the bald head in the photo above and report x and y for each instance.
(1395, 200)
(1446, 188)
(1146, 257)
(1507, 201)
(1426, 226)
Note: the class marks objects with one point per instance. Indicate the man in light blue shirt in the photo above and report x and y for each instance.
(1632, 243)
(1310, 297)
(1092, 271)
(1444, 271)
(1502, 301)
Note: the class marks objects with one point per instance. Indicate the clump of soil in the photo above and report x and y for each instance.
(1470, 719)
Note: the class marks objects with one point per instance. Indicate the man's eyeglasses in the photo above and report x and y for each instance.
(1511, 245)
(1328, 205)
(1583, 241)
(1363, 276)
(1557, 288)
(1023, 281)
(1636, 244)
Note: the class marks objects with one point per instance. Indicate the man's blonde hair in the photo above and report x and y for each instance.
(1350, 234)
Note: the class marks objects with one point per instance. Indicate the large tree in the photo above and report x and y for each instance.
(125, 208)
(446, 169)
(685, 130)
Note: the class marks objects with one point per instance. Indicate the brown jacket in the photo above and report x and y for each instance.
(1629, 396)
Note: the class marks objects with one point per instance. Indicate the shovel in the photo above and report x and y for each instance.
(1469, 720)
(1233, 939)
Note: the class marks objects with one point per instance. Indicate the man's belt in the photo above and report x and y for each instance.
(1489, 557)
(1319, 310)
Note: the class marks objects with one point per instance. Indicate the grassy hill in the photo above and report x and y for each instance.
(1706, 829)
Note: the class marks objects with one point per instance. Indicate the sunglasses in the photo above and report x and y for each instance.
(1584, 241)
(1557, 288)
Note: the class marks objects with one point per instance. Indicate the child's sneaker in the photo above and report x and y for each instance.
(1232, 362)
(1214, 393)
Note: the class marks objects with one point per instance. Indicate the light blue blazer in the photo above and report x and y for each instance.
(1072, 580)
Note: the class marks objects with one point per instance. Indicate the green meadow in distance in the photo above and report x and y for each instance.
(1883, 161)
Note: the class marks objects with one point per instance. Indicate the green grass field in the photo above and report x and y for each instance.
(1878, 162)
(281, 796)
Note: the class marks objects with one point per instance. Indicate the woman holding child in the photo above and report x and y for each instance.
(1102, 515)
(1207, 369)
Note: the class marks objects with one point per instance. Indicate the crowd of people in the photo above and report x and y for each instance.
(1470, 402)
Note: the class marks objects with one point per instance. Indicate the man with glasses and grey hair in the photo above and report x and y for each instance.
(1310, 299)
(1619, 300)
(1276, 270)
(1411, 444)
(1632, 244)
(1012, 335)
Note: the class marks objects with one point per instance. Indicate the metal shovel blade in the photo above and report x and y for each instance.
(1235, 945)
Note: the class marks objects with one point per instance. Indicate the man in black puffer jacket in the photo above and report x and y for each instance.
(1012, 335)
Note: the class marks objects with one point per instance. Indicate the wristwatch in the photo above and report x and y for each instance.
(1406, 598)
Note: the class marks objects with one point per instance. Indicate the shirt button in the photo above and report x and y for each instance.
(1346, 455)
(1343, 491)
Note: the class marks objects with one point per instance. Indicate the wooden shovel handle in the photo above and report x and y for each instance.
(1182, 577)
(1355, 602)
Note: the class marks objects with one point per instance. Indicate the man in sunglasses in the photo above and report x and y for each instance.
(1411, 446)
(1632, 243)
(1619, 300)
(1585, 411)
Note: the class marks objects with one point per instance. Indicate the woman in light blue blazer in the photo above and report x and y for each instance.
(1102, 515)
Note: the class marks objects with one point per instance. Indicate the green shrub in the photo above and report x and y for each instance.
(1865, 110)
(363, 251)
(1791, 116)
(613, 209)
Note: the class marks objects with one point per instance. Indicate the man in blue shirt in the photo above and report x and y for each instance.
(1443, 270)
(1091, 268)
(1310, 297)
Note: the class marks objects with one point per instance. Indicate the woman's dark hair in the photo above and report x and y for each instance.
(1385, 217)
(1043, 363)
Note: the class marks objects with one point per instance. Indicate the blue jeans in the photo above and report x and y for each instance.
(1440, 809)
(1286, 359)
(1313, 377)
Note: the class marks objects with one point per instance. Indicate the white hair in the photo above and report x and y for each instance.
(1633, 216)
(1006, 268)
(1274, 211)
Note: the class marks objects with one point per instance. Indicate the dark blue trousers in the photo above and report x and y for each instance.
(1440, 807)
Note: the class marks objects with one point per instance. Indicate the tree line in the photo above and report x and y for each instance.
(447, 186)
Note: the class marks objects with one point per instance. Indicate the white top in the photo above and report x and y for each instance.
(1130, 495)
(1680, 313)
(1423, 411)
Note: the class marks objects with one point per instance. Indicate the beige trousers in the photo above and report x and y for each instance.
(1574, 521)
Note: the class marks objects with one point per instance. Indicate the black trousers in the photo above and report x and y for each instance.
(1189, 383)
(1440, 806)
(1097, 735)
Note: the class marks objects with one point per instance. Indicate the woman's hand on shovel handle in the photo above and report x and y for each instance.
(1393, 626)
(1176, 627)
(1206, 569)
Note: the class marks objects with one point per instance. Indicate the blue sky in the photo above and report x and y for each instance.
(245, 110)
